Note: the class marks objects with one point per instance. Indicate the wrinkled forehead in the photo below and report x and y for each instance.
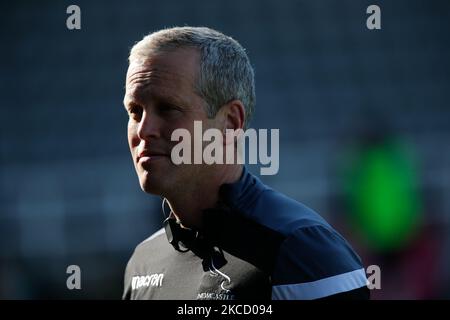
(165, 71)
(180, 63)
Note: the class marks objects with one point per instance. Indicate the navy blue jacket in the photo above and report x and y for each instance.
(256, 244)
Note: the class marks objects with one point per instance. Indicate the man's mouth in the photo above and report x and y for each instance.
(149, 156)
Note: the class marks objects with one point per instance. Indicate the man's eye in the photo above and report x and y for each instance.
(168, 108)
(135, 111)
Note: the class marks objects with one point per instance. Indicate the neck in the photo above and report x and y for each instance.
(188, 205)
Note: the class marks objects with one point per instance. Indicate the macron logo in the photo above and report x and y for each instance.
(153, 280)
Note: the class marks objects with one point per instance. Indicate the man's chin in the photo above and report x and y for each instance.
(152, 188)
(155, 184)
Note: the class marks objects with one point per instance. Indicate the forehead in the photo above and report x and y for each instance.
(167, 73)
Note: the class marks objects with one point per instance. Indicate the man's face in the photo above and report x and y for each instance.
(160, 98)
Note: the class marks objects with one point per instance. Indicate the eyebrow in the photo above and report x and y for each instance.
(172, 99)
(127, 101)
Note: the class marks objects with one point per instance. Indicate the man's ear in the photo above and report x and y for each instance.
(234, 117)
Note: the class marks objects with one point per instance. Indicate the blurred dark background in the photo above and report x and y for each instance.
(364, 123)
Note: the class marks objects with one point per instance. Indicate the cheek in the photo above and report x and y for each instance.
(167, 131)
(133, 139)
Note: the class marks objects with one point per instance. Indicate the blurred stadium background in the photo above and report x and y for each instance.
(364, 123)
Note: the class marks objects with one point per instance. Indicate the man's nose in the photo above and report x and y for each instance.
(149, 126)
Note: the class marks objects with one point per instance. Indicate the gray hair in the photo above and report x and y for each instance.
(225, 70)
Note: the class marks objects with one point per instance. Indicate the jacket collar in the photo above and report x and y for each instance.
(241, 194)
